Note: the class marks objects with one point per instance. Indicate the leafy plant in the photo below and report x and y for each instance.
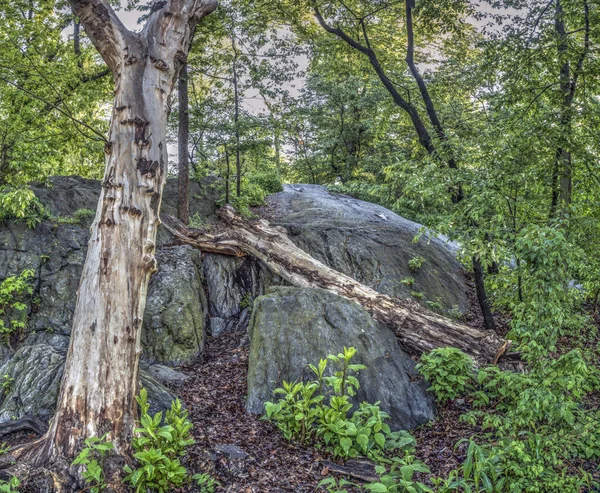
(10, 486)
(417, 294)
(21, 204)
(92, 458)
(415, 263)
(399, 478)
(14, 292)
(408, 281)
(205, 482)
(449, 372)
(332, 485)
(158, 448)
(7, 382)
(319, 410)
(247, 301)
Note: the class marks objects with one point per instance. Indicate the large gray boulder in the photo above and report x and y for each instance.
(31, 382)
(293, 327)
(370, 243)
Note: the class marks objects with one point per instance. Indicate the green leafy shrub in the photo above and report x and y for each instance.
(269, 181)
(332, 485)
(318, 410)
(10, 486)
(449, 372)
(205, 482)
(14, 292)
(158, 447)
(408, 281)
(21, 204)
(415, 263)
(92, 458)
(399, 478)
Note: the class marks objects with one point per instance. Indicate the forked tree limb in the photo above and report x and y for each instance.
(417, 328)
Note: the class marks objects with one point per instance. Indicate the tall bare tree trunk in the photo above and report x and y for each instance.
(101, 371)
(183, 137)
(236, 118)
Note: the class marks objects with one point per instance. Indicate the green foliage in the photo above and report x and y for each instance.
(205, 482)
(80, 216)
(415, 263)
(21, 204)
(14, 293)
(399, 478)
(548, 305)
(10, 486)
(417, 294)
(408, 281)
(319, 411)
(269, 181)
(331, 485)
(7, 382)
(448, 371)
(247, 301)
(92, 458)
(158, 447)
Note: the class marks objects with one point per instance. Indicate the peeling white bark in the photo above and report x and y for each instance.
(101, 370)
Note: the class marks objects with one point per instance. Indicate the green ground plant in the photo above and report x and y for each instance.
(318, 412)
(158, 447)
(14, 293)
(21, 204)
(91, 458)
(10, 486)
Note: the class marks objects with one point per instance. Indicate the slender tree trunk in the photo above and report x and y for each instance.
(183, 197)
(562, 175)
(457, 193)
(236, 96)
(100, 376)
(484, 301)
(227, 176)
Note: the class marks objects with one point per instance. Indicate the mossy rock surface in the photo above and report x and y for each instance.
(292, 328)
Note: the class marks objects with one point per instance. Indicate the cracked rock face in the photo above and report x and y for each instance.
(193, 293)
(293, 327)
(371, 244)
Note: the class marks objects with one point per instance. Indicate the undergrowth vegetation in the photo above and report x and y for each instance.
(15, 291)
(159, 444)
(534, 430)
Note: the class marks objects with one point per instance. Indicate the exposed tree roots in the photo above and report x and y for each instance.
(417, 328)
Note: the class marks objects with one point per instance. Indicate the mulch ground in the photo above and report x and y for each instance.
(215, 395)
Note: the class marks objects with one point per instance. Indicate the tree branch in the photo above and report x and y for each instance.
(105, 30)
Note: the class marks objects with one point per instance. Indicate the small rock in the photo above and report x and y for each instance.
(166, 375)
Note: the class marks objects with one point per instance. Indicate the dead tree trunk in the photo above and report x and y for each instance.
(101, 370)
(418, 329)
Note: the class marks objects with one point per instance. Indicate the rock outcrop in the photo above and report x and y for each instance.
(371, 244)
(292, 328)
(194, 294)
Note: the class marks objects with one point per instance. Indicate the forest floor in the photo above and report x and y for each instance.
(249, 455)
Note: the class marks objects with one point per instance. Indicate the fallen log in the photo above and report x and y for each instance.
(417, 328)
